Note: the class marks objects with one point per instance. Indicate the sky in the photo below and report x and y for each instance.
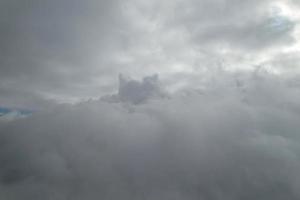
(149, 99)
(64, 51)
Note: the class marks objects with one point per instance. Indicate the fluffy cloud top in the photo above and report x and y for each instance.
(135, 92)
(235, 140)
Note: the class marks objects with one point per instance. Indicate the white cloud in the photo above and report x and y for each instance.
(236, 139)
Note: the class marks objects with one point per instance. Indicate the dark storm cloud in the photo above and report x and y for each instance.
(235, 140)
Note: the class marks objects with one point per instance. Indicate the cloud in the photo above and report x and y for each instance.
(136, 92)
(235, 139)
(228, 129)
(67, 50)
(55, 48)
(284, 63)
(247, 25)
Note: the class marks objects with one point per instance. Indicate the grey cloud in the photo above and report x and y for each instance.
(236, 136)
(246, 25)
(237, 142)
(285, 63)
(72, 50)
(57, 47)
(135, 92)
(295, 2)
(19, 99)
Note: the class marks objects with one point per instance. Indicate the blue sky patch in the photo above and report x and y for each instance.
(4, 111)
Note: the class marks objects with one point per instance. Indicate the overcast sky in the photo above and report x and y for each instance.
(149, 99)
(66, 51)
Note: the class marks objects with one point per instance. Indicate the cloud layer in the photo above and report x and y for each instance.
(237, 139)
(226, 129)
(67, 51)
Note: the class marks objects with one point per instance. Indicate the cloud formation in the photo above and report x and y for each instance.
(135, 92)
(66, 51)
(247, 25)
(228, 129)
(236, 140)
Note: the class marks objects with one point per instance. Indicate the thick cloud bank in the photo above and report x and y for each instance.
(235, 140)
